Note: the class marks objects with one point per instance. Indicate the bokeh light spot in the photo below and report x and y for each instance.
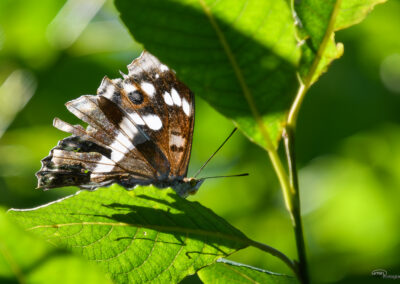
(390, 72)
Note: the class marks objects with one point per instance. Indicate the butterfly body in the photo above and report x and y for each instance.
(139, 132)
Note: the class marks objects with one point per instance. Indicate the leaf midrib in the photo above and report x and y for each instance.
(241, 274)
(238, 73)
(199, 232)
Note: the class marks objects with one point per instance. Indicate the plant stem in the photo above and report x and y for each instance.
(289, 139)
(275, 253)
(283, 179)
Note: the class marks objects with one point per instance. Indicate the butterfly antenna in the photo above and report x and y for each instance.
(239, 175)
(205, 164)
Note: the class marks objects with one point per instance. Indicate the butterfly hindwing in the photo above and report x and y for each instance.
(139, 131)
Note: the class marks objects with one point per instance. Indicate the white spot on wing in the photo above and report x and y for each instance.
(129, 88)
(120, 147)
(104, 165)
(127, 126)
(185, 107)
(117, 155)
(157, 76)
(57, 153)
(168, 99)
(175, 97)
(121, 142)
(110, 89)
(153, 121)
(177, 140)
(164, 68)
(148, 88)
(136, 118)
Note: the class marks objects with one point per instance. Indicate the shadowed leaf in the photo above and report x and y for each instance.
(143, 235)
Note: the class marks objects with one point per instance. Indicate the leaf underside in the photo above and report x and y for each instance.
(222, 50)
(143, 235)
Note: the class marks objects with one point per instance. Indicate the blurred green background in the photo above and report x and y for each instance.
(348, 135)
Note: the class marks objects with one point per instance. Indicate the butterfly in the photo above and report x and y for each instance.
(140, 130)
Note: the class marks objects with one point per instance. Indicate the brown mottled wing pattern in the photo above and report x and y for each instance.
(139, 131)
(176, 100)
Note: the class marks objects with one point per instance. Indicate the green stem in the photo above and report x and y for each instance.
(275, 253)
(289, 139)
(283, 178)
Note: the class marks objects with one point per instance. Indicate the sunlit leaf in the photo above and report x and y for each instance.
(26, 259)
(320, 19)
(226, 271)
(144, 235)
(224, 51)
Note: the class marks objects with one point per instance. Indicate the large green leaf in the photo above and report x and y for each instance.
(225, 271)
(230, 52)
(319, 20)
(143, 235)
(26, 259)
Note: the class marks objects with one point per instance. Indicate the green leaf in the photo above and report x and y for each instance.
(232, 53)
(354, 11)
(26, 259)
(143, 235)
(226, 271)
(318, 22)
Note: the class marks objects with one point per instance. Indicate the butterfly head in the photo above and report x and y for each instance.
(188, 186)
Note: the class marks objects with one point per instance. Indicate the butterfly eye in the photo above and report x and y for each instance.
(136, 97)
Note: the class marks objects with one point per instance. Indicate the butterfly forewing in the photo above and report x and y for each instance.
(139, 131)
